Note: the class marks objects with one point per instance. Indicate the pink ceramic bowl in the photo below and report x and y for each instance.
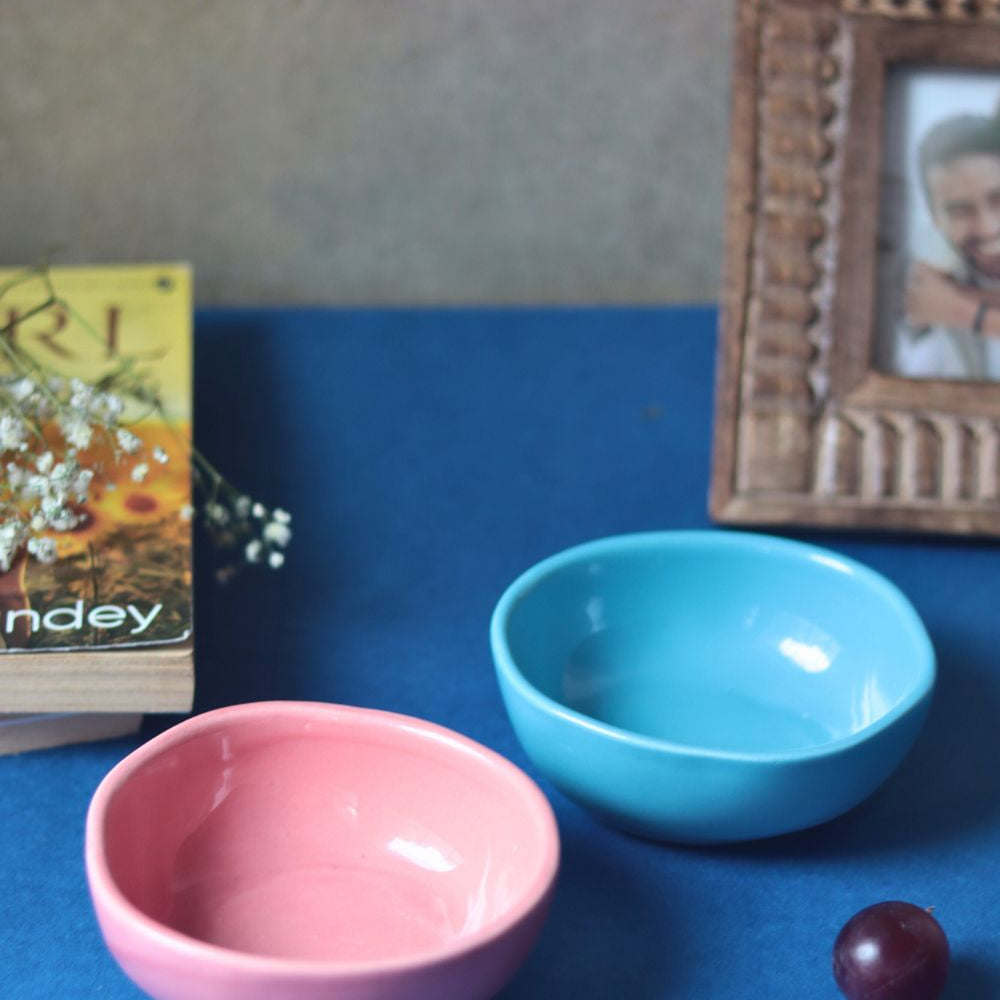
(304, 851)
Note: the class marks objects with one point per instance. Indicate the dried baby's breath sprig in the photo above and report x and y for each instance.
(50, 425)
(234, 521)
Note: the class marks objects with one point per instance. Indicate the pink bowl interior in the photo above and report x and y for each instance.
(325, 834)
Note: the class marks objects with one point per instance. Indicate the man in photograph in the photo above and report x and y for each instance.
(952, 319)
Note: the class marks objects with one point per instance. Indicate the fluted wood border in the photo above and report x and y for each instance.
(805, 432)
(956, 10)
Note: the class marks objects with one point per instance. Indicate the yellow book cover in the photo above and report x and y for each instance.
(120, 574)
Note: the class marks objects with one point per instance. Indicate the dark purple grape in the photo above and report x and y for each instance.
(891, 951)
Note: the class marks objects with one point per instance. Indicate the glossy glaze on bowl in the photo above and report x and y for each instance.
(711, 685)
(299, 850)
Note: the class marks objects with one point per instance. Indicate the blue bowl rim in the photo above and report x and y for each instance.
(724, 540)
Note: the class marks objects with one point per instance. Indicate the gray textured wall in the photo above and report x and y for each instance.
(351, 151)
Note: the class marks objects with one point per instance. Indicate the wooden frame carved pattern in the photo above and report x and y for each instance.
(805, 433)
(960, 10)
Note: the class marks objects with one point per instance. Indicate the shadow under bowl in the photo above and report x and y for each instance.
(304, 851)
(710, 685)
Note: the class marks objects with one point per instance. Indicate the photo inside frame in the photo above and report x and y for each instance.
(938, 295)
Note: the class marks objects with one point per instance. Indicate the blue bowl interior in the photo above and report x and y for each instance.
(723, 642)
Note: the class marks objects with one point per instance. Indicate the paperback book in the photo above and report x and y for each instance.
(103, 624)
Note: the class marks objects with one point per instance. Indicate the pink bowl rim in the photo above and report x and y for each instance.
(108, 897)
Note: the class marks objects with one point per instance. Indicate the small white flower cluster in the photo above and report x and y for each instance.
(265, 533)
(275, 536)
(39, 497)
(13, 433)
(12, 535)
(78, 409)
(45, 481)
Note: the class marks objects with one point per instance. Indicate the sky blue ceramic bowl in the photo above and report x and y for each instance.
(711, 685)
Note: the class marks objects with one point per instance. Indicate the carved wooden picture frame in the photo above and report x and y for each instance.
(808, 431)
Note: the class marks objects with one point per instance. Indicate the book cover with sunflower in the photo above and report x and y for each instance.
(99, 431)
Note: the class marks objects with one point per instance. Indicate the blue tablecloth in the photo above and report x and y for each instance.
(430, 456)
